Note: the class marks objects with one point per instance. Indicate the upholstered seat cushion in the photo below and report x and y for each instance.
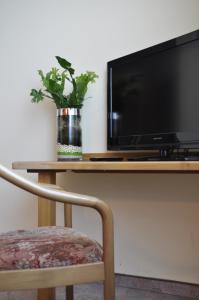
(46, 247)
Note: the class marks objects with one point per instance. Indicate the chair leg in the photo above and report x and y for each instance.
(108, 257)
(69, 292)
(46, 294)
(109, 289)
(68, 223)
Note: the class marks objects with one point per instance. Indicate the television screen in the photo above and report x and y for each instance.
(153, 97)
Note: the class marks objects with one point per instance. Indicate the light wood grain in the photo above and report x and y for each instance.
(123, 154)
(68, 215)
(68, 223)
(46, 294)
(124, 166)
(108, 255)
(51, 277)
(46, 217)
(46, 208)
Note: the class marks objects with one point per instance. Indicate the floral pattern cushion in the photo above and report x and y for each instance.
(46, 247)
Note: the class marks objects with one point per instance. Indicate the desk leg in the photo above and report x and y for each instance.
(46, 217)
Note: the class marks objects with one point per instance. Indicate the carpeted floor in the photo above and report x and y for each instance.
(127, 288)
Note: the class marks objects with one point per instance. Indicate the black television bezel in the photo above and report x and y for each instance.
(167, 139)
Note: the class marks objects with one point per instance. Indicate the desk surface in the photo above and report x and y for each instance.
(122, 166)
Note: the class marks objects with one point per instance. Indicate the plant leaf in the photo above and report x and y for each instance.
(40, 72)
(54, 85)
(37, 95)
(82, 82)
(63, 62)
(71, 71)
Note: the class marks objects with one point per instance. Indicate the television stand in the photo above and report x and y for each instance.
(168, 155)
(158, 158)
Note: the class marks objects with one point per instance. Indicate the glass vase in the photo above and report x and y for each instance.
(69, 134)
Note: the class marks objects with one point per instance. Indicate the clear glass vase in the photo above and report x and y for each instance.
(69, 134)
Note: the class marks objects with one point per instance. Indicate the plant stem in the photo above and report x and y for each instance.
(48, 96)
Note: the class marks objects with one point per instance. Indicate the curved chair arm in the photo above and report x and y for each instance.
(55, 193)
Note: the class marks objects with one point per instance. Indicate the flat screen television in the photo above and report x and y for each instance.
(153, 97)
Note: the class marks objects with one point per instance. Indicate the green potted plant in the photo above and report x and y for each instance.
(69, 142)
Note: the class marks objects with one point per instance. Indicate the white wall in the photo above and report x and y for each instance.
(156, 216)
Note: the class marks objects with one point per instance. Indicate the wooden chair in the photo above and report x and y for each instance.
(49, 277)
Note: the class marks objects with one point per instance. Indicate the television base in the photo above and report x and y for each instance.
(168, 155)
(158, 158)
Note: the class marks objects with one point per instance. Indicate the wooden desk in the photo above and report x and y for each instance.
(122, 166)
(47, 174)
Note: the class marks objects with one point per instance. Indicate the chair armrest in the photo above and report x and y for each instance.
(54, 192)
